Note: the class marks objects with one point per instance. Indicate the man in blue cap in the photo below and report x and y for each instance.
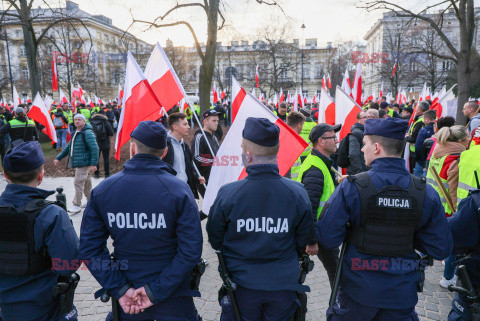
(152, 217)
(392, 214)
(258, 223)
(38, 243)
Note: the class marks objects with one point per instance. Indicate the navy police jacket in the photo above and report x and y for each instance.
(30, 297)
(465, 227)
(375, 281)
(259, 222)
(153, 220)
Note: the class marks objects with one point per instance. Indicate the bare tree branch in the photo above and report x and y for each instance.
(179, 6)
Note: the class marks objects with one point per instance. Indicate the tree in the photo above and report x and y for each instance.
(20, 13)
(464, 54)
(213, 10)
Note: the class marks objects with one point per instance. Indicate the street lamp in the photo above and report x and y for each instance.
(303, 56)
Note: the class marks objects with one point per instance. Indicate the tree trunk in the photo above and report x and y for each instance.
(463, 85)
(208, 63)
(30, 47)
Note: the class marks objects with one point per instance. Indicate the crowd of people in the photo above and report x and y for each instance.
(394, 209)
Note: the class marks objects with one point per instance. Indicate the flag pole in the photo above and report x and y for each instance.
(198, 173)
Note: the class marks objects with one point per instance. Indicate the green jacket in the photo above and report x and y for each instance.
(81, 155)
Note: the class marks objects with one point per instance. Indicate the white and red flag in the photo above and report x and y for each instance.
(28, 100)
(324, 83)
(394, 69)
(54, 75)
(381, 92)
(163, 79)
(39, 112)
(62, 99)
(300, 98)
(444, 106)
(120, 96)
(80, 89)
(326, 108)
(346, 86)
(275, 100)
(214, 93)
(329, 82)
(282, 96)
(139, 103)
(16, 98)
(222, 95)
(357, 85)
(346, 110)
(256, 77)
(238, 94)
(230, 152)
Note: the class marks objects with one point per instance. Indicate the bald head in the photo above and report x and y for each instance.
(470, 109)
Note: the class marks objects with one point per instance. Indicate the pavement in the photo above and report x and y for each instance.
(433, 304)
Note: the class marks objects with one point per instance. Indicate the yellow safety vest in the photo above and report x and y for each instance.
(412, 146)
(15, 123)
(390, 112)
(437, 163)
(469, 163)
(307, 128)
(328, 184)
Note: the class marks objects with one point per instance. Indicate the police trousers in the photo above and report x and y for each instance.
(461, 310)
(257, 305)
(347, 309)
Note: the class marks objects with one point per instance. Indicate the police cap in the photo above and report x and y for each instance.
(390, 127)
(261, 131)
(151, 134)
(23, 158)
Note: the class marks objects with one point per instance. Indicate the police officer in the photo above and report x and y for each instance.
(20, 128)
(156, 232)
(259, 222)
(393, 214)
(40, 236)
(465, 228)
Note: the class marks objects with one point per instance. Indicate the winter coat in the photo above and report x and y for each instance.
(82, 149)
(355, 154)
(103, 142)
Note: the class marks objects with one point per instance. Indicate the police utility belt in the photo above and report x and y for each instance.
(17, 249)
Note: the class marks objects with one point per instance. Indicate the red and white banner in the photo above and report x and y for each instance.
(329, 82)
(62, 99)
(326, 108)
(445, 105)
(346, 86)
(256, 77)
(163, 79)
(346, 111)
(238, 94)
(357, 85)
(40, 113)
(230, 168)
(120, 96)
(140, 103)
(54, 76)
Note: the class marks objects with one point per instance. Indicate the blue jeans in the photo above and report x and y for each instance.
(450, 268)
(418, 170)
(61, 138)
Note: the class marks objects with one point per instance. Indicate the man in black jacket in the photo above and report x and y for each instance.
(178, 154)
(355, 154)
(201, 151)
(103, 131)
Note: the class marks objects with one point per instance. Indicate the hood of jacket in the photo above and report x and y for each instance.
(98, 116)
(447, 149)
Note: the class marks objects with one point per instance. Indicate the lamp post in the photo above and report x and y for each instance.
(302, 47)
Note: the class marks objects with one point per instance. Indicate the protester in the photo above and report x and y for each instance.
(82, 152)
(20, 128)
(296, 121)
(418, 124)
(158, 252)
(41, 240)
(470, 111)
(201, 144)
(406, 112)
(179, 155)
(373, 113)
(430, 143)
(60, 122)
(103, 131)
(426, 132)
(355, 144)
(469, 168)
(281, 111)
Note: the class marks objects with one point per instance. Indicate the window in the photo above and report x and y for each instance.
(306, 71)
(25, 74)
(23, 52)
(18, 33)
(446, 65)
(318, 72)
(116, 77)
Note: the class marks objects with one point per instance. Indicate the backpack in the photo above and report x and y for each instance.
(343, 150)
(99, 129)
(58, 122)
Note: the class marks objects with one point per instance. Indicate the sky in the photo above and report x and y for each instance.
(326, 20)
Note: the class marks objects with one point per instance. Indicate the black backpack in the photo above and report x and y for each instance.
(99, 129)
(343, 149)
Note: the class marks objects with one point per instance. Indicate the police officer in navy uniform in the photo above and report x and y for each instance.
(258, 223)
(31, 262)
(153, 219)
(465, 227)
(392, 214)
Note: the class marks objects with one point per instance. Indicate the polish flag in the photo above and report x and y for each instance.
(329, 82)
(222, 95)
(282, 96)
(28, 100)
(397, 97)
(346, 110)
(139, 103)
(326, 108)
(275, 100)
(214, 93)
(80, 89)
(39, 113)
(404, 97)
(444, 106)
(75, 93)
(239, 95)
(324, 83)
(394, 69)
(289, 97)
(163, 79)
(256, 77)
(346, 87)
(300, 98)
(357, 85)
(291, 146)
(120, 95)
(61, 97)
(54, 76)
(381, 93)
(16, 98)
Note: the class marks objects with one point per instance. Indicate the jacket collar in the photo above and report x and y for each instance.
(262, 171)
(389, 165)
(145, 163)
(19, 194)
(324, 158)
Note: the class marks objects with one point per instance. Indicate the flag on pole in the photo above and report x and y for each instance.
(256, 77)
(346, 110)
(329, 82)
(282, 96)
(54, 76)
(394, 69)
(16, 98)
(326, 108)
(40, 113)
(346, 87)
(357, 85)
(139, 103)
(61, 97)
(381, 92)
(324, 83)
(238, 94)
(442, 105)
(291, 146)
(214, 93)
(120, 96)
(163, 79)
